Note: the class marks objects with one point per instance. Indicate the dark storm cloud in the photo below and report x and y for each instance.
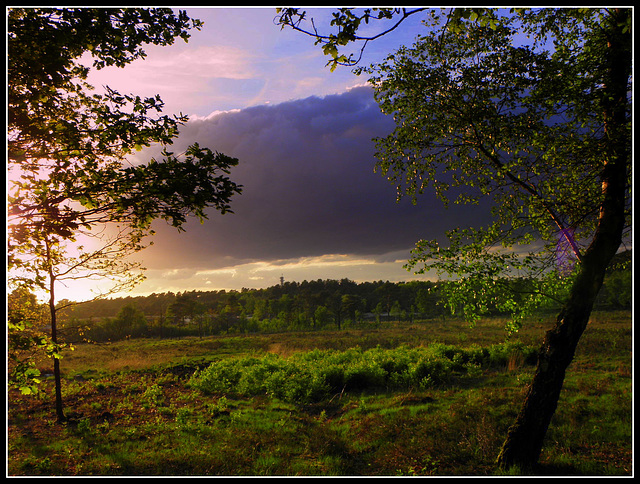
(309, 188)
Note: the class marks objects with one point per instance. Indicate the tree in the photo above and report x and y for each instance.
(334, 305)
(541, 128)
(347, 23)
(68, 149)
(321, 316)
(129, 321)
(351, 305)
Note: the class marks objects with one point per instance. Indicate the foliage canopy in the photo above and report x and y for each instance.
(69, 146)
(480, 114)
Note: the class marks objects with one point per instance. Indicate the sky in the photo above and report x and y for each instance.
(312, 206)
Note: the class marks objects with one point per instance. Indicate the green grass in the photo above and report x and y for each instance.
(135, 407)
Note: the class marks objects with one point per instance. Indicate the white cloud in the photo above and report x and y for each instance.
(267, 273)
(184, 77)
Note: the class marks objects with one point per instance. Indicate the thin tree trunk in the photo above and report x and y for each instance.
(54, 333)
(525, 438)
(54, 338)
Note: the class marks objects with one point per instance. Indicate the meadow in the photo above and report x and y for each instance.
(383, 399)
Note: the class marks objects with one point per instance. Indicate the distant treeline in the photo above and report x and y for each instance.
(307, 305)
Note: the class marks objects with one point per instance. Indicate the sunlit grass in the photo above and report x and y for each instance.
(142, 419)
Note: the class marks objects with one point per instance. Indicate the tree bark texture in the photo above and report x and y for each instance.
(525, 438)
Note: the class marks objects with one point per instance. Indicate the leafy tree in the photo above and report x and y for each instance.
(68, 149)
(541, 128)
(228, 318)
(321, 316)
(387, 294)
(334, 305)
(182, 308)
(129, 320)
(351, 305)
(427, 301)
(188, 307)
(395, 311)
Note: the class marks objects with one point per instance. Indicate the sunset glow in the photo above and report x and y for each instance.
(312, 206)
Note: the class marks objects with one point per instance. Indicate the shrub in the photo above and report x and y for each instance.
(319, 374)
(364, 375)
(333, 376)
(431, 371)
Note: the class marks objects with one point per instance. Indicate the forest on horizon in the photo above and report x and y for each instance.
(306, 305)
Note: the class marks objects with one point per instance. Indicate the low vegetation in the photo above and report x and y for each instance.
(428, 398)
(317, 375)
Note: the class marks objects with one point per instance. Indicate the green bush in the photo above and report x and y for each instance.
(319, 374)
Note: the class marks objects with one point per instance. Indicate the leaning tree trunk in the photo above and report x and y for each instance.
(525, 438)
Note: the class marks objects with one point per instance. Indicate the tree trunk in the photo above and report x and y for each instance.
(54, 338)
(56, 375)
(525, 438)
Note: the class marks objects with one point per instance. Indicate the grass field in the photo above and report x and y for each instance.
(136, 408)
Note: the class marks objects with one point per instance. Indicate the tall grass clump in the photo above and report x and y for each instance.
(317, 375)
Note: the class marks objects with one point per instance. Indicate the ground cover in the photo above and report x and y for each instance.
(135, 407)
